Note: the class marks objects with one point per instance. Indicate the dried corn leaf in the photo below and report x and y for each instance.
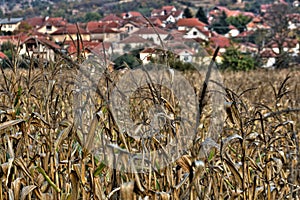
(126, 190)
(10, 123)
(237, 177)
(227, 140)
(26, 190)
(16, 184)
(98, 189)
(20, 163)
(185, 162)
(75, 185)
(10, 162)
(62, 135)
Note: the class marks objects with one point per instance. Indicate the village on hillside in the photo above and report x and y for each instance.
(120, 33)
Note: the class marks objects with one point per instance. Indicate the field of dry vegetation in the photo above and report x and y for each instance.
(255, 156)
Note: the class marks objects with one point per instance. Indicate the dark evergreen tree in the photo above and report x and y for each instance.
(187, 13)
(201, 15)
(220, 25)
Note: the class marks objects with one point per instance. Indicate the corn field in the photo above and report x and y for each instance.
(255, 155)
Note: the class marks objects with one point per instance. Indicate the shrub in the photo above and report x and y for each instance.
(234, 59)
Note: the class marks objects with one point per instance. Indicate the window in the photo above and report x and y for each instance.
(186, 58)
(48, 27)
(195, 33)
(9, 26)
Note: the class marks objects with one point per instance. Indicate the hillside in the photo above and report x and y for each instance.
(75, 10)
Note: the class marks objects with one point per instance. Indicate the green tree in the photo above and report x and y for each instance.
(233, 59)
(127, 60)
(7, 48)
(187, 13)
(201, 15)
(92, 16)
(239, 22)
(220, 25)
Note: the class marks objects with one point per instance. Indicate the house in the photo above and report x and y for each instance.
(271, 51)
(229, 13)
(52, 24)
(10, 24)
(41, 48)
(184, 55)
(265, 7)
(74, 47)
(186, 24)
(178, 14)
(14, 39)
(130, 27)
(220, 41)
(165, 10)
(155, 21)
(290, 46)
(149, 53)
(88, 48)
(166, 19)
(35, 22)
(248, 47)
(268, 58)
(92, 25)
(294, 21)
(198, 32)
(112, 18)
(105, 34)
(233, 32)
(152, 33)
(133, 42)
(130, 14)
(70, 32)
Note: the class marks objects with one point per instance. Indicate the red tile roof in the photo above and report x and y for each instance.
(134, 39)
(56, 21)
(43, 41)
(104, 30)
(190, 22)
(177, 13)
(156, 12)
(93, 25)
(73, 48)
(35, 21)
(268, 53)
(230, 13)
(131, 14)
(150, 30)
(96, 25)
(245, 34)
(3, 56)
(111, 18)
(265, 7)
(70, 29)
(149, 50)
(168, 8)
(15, 39)
(220, 41)
(288, 43)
